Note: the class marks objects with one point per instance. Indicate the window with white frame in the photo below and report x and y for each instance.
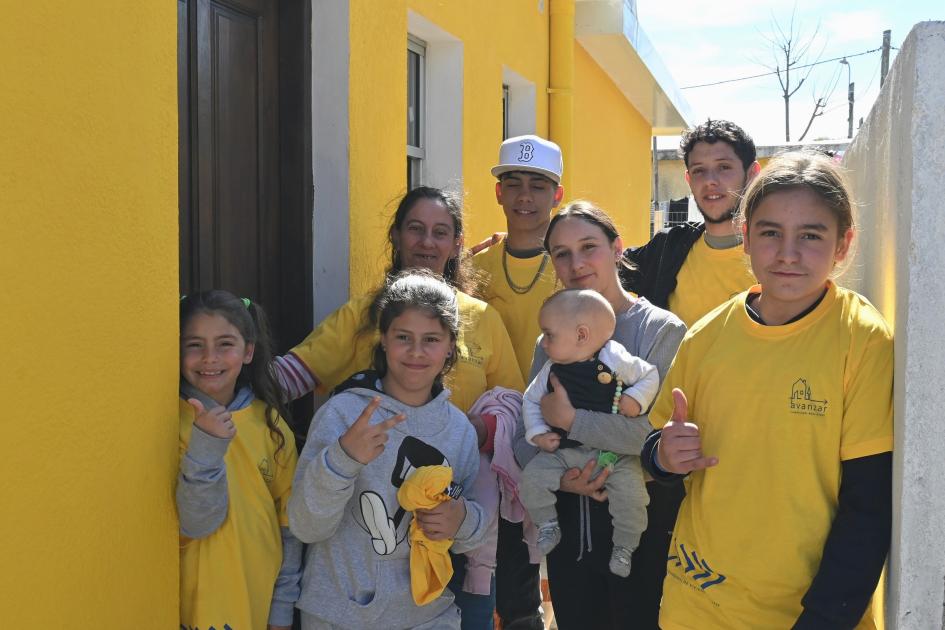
(518, 104)
(416, 111)
(505, 112)
(434, 105)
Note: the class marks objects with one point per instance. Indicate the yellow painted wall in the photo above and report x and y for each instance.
(88, 249)
(378, 132)
(611, 164)
(494, 33)
(611, 161)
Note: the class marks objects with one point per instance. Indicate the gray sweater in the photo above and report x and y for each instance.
(645, 331)
(357, 566)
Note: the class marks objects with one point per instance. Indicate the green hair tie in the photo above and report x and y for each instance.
(246, 301)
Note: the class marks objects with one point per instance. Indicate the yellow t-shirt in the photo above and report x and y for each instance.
(227, 578)
(519, 311)
(781, 407)
(334, 350)
(707, 278)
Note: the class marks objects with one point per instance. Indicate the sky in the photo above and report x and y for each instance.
(703, 41)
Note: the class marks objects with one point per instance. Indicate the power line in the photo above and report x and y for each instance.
(872, 79)
(863, 91)
(767, 74)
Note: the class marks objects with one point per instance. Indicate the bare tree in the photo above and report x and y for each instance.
(819, 106)
(791, 49)
(820, 102)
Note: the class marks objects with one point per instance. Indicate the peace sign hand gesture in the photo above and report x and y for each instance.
(364, 442)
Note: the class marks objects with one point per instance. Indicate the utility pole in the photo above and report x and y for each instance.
(849, 97)
(654, 209)
(850, 116)
(884, 65)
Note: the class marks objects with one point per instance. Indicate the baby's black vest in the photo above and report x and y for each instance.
(580, 381)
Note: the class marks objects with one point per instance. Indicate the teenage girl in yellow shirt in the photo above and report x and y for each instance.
(240, 565)
(778, 407)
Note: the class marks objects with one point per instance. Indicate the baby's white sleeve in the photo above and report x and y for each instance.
(641, 380)
(531, 404)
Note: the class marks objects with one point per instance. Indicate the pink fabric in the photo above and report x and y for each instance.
(480, 562)
(497, 485)
(507, 470)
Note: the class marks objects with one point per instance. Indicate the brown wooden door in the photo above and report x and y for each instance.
(245, 165)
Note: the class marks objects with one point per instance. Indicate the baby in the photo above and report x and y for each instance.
(599, 375)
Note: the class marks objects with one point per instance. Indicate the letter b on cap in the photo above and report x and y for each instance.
(526, 152)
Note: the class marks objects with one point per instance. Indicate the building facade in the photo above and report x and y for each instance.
(133, 133)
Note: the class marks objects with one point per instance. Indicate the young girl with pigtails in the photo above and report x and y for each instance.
(374, 560)
(240, 564)
(778, 408)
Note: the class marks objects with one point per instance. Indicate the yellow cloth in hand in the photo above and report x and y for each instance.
(430, 565)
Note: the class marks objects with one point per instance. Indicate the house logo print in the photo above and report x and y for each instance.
(801, 401)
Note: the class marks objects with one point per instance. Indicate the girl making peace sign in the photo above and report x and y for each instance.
(363, 446)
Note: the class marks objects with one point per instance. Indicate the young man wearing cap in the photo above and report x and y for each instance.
(518, 272)
(692, 268)
(518, 277)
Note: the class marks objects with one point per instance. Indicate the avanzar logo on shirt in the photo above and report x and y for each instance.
(802, 403)
(695, 568)
(265, 469)
(470, 352)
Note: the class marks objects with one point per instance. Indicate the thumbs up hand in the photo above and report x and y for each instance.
(680, 447)
(218, 422)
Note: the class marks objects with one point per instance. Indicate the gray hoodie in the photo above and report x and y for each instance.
(357, 566)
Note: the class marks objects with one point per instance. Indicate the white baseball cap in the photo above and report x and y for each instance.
(531, 154)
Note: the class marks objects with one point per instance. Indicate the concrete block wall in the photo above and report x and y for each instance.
(897, 167)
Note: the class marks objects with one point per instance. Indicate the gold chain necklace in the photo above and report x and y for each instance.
(521, 290)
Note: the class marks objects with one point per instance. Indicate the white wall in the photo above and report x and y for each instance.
(897, 168)
(330, 159)
(522, 104)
